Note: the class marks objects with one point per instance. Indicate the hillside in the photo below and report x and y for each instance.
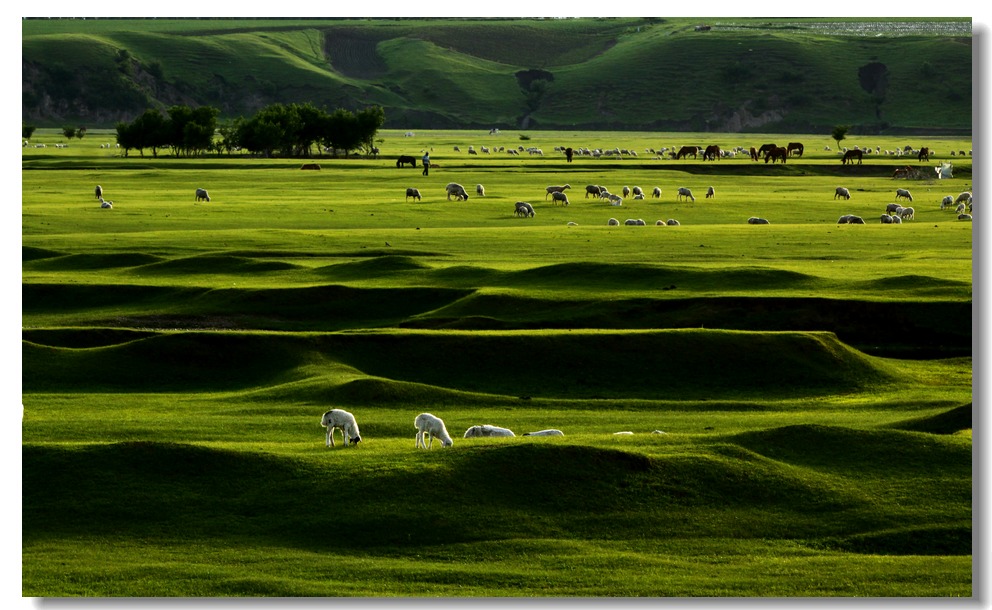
(729, 75)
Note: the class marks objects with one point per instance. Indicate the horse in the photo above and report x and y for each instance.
(712, 153)
(685, 151)
(776, 153)
(754, 154)
(404, 159)
(764, 148)
(851, 155)
(795, 148)
(924, 154)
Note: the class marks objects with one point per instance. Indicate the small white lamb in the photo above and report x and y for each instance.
(339, 419)
(429, 425)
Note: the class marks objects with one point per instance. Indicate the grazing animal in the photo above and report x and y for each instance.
(106, 204)
(711, 153)
(488, 430)
(710, 193)
(850, 219)
(754, 220)
(964, 216)
(964, 197)
(673, 223)
(339, 419)
(635, 222)
(412, 192)
(903, 194)
(907, 213)
(795, 148)
(431, 427)
(764, 148)
(886, 219)
(754, 153)
(893, 208)
(684, 192)
(656, 192)
(201, 195)
(524, 209)
(842, 192)
(614, 199)
(776, 153)
(480, 190)
(406, 159)
(453, 188)
(592, 189)
(613, 222)
(549, 432)
(559, 197)
(99, 192)
(685, 151)
(924, 154)
(555, 189)
(851, 155)
(638, 192)
(626, 191)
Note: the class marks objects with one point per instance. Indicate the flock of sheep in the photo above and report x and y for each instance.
(896, 213)
(200, 195)
(428, 428)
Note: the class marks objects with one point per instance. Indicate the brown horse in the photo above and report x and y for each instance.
(795, 148)
(776, 153)
(764, 148)
(685, 151)
(924, 154)
(754, 154)
(712, 153)
(851, 155)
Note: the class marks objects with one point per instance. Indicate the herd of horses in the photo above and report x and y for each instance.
(772, 153)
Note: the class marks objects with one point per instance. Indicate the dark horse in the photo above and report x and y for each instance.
(404, 159)
(924, 154)
(776, 153)
(685, 151)
(795, 147)
(712, 153)
(764, 148)
(851, 155)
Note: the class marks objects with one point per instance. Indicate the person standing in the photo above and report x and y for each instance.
(427, 163)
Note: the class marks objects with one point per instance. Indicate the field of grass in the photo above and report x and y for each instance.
(799, 393)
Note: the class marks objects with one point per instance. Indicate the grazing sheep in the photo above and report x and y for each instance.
(886, 219)
(907, 213)
(903, 194)
(453, 188)
(850, 219)
(684, 192)
(99, 192)
(964, 216)
(559, 197)
(673, 223)
(339, 419)
(842, 192)
(638, 192)
(430, 426)
(893, 208)
(201, 195)
(754, 220)
(488, 430)
(947, 202)
(960, 208)
(634, 222)
(555, 189)
(480, 190)
(412, 192)
(592, 189)
(106, 204)
(616, 200)
(626, 191)
(710, 193)
(660, 223)
(523, 209)
(656, 192)
(613, 222)
(549, 432)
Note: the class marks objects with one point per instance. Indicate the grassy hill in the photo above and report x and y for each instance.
(739, 74)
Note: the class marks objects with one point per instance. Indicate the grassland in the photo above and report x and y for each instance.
(812, 380)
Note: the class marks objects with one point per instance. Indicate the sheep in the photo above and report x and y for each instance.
(893, 208)
(960, 208)
(634, 222)
(201, 195)
(615, 200)
(430, 426)
(480, 190)
(559, 197)
(613, 222)
(903, 194)
(524, 209)
(964, 197)
(625, 432)
(555, 189)
(850, 219)
(99, 192)
(660, 223)
(754, 220)
(638, 192)
(684, 192)
(842, 192)
(710, 193)
(339, 419)
(592, 189)
(453, 188)
(907, 213)
(488, 430)
(412, 192)
(886, 219)
(626, 191)
(549, 432)
(672, 222)
(947, 202)
(656, 192)
(964, 216)
(106, 204)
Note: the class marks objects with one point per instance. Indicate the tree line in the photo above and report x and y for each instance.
(287, 130)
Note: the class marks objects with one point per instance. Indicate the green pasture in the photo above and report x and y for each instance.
(799, 393)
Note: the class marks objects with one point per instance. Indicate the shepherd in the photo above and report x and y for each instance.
(427, 163)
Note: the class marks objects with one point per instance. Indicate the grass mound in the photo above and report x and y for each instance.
(928, 540)
(85, 262)
(374, 267)
(82, 338)
(949, 422)
(209, 264)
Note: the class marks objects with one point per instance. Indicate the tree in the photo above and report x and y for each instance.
(80, 132)
(839, 133)
(69, 132)
(369, 121)
(27, 131)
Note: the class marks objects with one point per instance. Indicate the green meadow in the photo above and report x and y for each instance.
(799, 393)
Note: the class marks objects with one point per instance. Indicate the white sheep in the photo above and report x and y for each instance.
(99, 192)
(893, 208)
(524, 209)
(480, 190)
(964, 216)
(850, 219)
(965, 197)
(684, 192)
(412, 192)
(559, 197)
(615, 200)
(710, 193)
(201, 195)
(903, 194)
(754, 220)
(613, 222)
(638, 192)
(672, 222)
(339, 419)
(960, 208)
(907, 213)
(947, 202)
(634, 222)
(656, 192)
(549, 432)
(453, 188)
(660, 223)
(106, 204)
(626, 191)
(842, 192)
(592, 189)
(432, 427)
(886, 219)
(555, 189)
(488, 430)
